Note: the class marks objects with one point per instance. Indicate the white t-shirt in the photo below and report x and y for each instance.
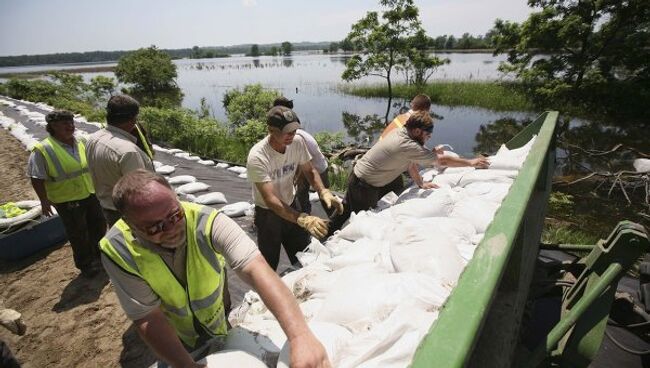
(317, 158)
(265, 164)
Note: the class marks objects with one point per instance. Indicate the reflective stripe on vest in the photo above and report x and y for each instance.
(397, 123)
(145, 142)
(202, 298)
(68, 179)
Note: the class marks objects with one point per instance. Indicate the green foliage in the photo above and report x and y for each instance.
(338, 176)
(251, 132)
(560, 202)
(255, 50)
(328, 142)
(183, 129)
(498, 96)
(102, 86)
(420, 65)
(334, 47)
(251, 103)
(287, 48)
(384, 42)
(565, 234)
(592, 49)
(148, 69)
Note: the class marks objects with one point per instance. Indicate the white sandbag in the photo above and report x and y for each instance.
(193, 158)
(476, 211)
(314, 252)
(174, 151)
(466, 250)
(429, 174)
(437, 204)
(243, 175)
(493, 192)
(364, 225)
(319, 283)
(262, 339)
(333, 338)
(310, 307)
(420, 245)
(235, 209)
(206, 162)
(458, 170)
(232, 358)
(182, 154)
(362, 251)
(313, 197)
(165, 170)
(159, 149)
(237, 169)
(222, 165)
(447, 180)
(488, 175)
(413, 192)
(641, 165)
(181, 179)
(209, 198)
(190, 188)
(157, 164)
(517, 152)
(381, 294)
(391, 343)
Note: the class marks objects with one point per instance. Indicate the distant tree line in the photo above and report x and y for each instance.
(444, 42)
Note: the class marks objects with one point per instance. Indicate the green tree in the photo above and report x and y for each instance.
(334, 47)
(250, 103)
(346, 45)
(591, 48)
(421, 65)
(102, 86)
(196, 53)
(384, 42)
(255, 50)
(148, 69)
(273, 51)
(451, 42)
(287, 48)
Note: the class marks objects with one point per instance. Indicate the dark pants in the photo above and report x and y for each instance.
(362, 196)
(273, 231)
(7, 359)
(302, 192)
(111, 216)
(84, 226)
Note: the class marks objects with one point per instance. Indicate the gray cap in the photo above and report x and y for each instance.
(283, 118)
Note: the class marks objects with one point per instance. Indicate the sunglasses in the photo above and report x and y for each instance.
(429, 129)
(166, 224)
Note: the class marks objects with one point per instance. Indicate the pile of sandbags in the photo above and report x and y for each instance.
(376, 286)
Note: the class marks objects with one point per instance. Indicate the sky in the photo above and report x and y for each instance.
(51, 26)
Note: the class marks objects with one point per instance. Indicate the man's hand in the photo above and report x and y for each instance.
(480, 162)
(308, 352)
(329, 199)
(429, 185)
(314, 225)
(46, 207)
(439, 149)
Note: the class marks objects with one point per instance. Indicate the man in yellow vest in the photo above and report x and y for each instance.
(59, 174)
(113, 151)
(418, 103)
(166, 260)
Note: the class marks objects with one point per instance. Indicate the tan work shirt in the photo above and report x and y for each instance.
(136, 296)
(390, 157)
(111, 153)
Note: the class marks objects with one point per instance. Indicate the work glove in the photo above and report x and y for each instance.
(331, 200)
(314, 225)
(13, 321)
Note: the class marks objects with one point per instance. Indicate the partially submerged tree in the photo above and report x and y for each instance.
(587, 46)
(383, 41)
(152, 74)
(421, 65)
(287, 48)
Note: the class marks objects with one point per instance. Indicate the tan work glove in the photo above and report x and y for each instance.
(314, 225)
(13, 321)
(331, 200)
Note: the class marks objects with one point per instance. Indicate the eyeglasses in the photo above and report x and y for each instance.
(165, 224)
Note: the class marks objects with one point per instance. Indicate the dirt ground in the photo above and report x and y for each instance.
(71, 321)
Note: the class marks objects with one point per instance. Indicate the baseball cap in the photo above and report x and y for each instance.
(283, 118)
(283, 101)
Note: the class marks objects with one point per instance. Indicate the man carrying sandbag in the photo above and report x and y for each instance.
(113, 151)
(272, 164)
(59, 174)
(166, 260)
(379, 171)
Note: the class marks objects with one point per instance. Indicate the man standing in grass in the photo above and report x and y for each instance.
(113, 151)
(272, 165)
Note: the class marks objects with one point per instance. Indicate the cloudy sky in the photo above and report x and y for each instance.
(49, 26)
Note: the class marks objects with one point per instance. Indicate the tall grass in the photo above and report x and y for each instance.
(498, 96)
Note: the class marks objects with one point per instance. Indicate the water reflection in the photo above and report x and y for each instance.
(490, 136)
(362, 130)
(287, 62)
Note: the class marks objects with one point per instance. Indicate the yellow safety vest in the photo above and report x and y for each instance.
(397, 123)
(145, 142)
(201, 301)
(68, 179)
